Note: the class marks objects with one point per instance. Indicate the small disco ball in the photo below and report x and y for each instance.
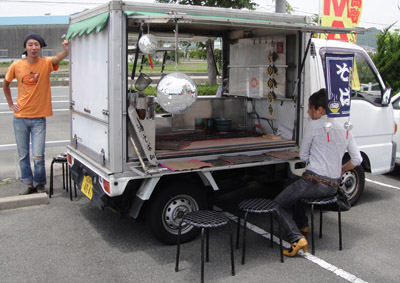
(148, 44)
(176, 93)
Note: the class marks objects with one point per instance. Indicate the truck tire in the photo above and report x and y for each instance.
(166, 210)
(353, 182)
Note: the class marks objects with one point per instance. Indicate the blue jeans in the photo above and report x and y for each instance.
(26, 129)
(291, 195)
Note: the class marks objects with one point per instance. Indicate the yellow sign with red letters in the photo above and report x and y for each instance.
(341, 14)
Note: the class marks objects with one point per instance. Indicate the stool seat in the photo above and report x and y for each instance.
(320, 203)
(205, 219)
(257, 205)
(60, 158)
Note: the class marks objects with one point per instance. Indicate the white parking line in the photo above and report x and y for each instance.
(325, 265)
(382, 184)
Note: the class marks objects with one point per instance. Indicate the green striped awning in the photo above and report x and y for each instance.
(89, 25)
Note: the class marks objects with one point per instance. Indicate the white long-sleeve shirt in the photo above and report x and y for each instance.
(325, 158)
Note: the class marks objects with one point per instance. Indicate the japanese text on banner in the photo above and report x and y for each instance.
(339, 69)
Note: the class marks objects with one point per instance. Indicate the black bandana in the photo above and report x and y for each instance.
(34, 36)
(37, 37)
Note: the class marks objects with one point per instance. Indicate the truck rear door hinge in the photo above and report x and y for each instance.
(103, 157)
(105, 112)
(76, 141)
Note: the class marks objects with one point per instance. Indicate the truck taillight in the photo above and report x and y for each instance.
(106, 185)
(395, 127)
(69, 159)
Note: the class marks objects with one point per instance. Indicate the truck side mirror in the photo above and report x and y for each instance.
(386, 97)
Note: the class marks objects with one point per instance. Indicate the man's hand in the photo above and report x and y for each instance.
(7, 92)
(65, 45)
(60, 56)
(348, 166)
(14, 108)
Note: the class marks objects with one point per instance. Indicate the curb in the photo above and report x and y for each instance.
(23, 201)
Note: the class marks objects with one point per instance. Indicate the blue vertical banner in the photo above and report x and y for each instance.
(338, 76)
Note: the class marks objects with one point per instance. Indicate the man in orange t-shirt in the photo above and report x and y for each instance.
(32, 107)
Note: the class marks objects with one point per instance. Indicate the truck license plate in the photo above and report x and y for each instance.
(87, 186)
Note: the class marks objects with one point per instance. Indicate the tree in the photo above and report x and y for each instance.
(238, 4)
(387, 59)
(289, 8)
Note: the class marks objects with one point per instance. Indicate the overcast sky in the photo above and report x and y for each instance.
(376, 13)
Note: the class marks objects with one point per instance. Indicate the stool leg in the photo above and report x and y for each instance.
(238, 228)
(280, 237)
(340, 229)
(51, 179)
(63, 171)
(312, 229)
(70, 189)
(178, 242)
(271, 230)
(70, 178)
(231, 244)
(75, 189)
(244, 237)
(66, 178)
(207, 244)
(202, 256)
(320, 222)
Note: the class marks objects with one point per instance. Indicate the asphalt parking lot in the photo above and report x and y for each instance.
(72, 241)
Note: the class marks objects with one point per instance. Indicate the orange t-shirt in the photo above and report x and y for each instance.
(34, 95)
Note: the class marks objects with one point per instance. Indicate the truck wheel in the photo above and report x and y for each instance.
(353, 182)
(166, 210)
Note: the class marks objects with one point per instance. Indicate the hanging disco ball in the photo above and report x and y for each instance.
(176, 93)
(148, 44)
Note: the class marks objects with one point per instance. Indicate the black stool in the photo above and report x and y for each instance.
(62, 158)
(205, 219)
(258, 205)
(321, 203)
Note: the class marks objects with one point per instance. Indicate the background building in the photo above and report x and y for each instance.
(14, 29)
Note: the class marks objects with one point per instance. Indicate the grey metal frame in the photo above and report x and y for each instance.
(117, 90)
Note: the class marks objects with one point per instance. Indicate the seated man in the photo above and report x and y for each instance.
(323, 152)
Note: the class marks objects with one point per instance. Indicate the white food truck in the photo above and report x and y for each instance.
(126, 157)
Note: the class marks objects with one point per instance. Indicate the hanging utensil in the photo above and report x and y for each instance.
(148, 45)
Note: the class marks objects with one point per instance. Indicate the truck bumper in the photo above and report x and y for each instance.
(78, 171)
